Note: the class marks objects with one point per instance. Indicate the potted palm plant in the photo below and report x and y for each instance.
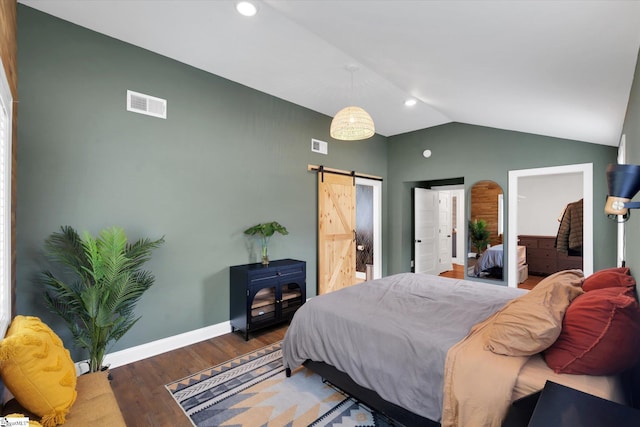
(265, 231)
(103, 281)
(479, 235)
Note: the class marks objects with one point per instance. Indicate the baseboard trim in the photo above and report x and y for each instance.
(143, 351)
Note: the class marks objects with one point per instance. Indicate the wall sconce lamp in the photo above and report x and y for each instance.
(623, 182)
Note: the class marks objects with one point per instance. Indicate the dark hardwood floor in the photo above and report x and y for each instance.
(458, 273)
(139, 387)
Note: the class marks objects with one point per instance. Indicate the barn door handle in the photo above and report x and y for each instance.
(418, 241)
(354, 235)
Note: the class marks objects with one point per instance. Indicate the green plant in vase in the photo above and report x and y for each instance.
(479, 235)
(265, 231)
(101, 284)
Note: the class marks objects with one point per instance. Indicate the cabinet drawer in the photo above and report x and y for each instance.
(542, 266)
(542, 242)
(566, 262)
(257, 278)
(260, 276)
(291, 270)
(541, 253)
(547, 243)
(528, 242)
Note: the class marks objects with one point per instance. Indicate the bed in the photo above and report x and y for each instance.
(400, 365)
(491, 262)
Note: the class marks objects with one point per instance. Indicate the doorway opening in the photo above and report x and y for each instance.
(438, 226)
(368, 229)
(516, 222)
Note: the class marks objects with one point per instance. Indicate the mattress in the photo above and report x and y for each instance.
(535, 373)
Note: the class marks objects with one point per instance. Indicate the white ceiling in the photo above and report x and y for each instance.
(557, 68)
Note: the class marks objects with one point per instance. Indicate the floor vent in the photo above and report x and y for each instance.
(146, 104)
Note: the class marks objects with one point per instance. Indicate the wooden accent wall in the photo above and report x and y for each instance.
(8, 53)
(484, 205)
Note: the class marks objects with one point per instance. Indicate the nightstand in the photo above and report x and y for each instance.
(560, 406)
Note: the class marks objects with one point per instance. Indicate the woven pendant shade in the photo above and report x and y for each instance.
(352, 124)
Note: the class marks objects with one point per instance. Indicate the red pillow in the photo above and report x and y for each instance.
(623, 270)
(607, 278)
(599, 335)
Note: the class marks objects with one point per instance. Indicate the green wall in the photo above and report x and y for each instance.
(226, 158)
(632, 132)
(479, 153)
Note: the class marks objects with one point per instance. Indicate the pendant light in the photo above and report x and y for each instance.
(352, 123)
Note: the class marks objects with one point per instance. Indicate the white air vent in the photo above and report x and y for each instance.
(145, 104)
(318, 146)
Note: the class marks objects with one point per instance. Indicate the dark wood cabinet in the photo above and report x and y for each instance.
(544, 259)
(264, 295)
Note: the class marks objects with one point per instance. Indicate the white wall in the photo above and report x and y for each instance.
(541, 200)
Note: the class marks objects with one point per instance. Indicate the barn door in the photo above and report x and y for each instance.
(336, 232)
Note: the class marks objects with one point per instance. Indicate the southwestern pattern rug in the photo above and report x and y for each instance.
(253, 390)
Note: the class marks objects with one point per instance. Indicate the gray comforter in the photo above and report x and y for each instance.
(392, 335)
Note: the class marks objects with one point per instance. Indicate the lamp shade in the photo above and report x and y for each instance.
(623, 180)
(352, 124)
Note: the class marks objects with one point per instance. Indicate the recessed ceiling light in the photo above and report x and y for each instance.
(246, 8)
(410, 102)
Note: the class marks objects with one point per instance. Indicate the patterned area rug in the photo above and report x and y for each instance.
(253, 390)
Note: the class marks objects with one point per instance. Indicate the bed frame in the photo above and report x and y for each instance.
(366, 396)
(341, 380)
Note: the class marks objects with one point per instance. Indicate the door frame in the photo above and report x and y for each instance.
(587, 187)
(458, 190)
(377, 226)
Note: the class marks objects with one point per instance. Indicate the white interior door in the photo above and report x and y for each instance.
(425, 238)
(445, 231)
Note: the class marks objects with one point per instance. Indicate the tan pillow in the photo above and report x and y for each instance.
(531, 323)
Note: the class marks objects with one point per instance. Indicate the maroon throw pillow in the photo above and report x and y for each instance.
(599, 335)
(608, 278)
(623, 270)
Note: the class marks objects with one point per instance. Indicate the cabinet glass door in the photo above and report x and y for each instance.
(291, 298)
(263, 305)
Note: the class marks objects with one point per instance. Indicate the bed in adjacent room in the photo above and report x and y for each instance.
(491, 262)
(410, 345)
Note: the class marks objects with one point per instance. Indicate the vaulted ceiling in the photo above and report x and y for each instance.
(556, 68)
